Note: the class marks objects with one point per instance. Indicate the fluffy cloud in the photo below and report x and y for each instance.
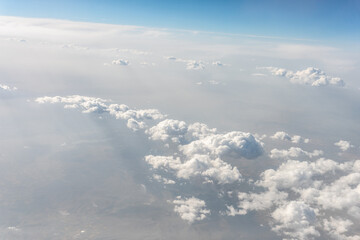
(234, 144)
(343, 145)
(162, 179)
(7, 88)
(86, 104)
(135, 118)
(301, 192)
(337, 227)
(297, 193)
(178, 131)
(195, 65)
(309, 76)
(169, 129)
(191, 209)
(295, 219)
(298, 174)
(200, 150)
(286, 137)
(198, 165)
(294, 152)
(190, 64)
(121, 62)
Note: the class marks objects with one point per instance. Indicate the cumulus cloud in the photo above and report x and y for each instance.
(7, 88)
(281, 135)
(343, 145)
(169, 129)
(162, 179)
(337, 227)
(294, 152)
(200, 150)
(135, 118)
(197, 165)
(297, 192)
(178, 131)
(195, 65)
(309, 76)
(190, 63)
(218, 64)
(233, 144)
(296, 220)
(191, 209)
(121, 62)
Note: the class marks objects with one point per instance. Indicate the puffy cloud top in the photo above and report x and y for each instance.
(7, 88)
(197, 165)
(121, 62)
(234, 144)
(343, 145)
(294, 152)
(309, 76)
(135, 118)
(191, 209)
(281, 135)
(178, 131)
(297, 217)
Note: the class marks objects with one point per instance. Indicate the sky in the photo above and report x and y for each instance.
(194, 120)
(319, 19)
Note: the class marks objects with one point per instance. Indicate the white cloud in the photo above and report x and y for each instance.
(197, 165)
(135, 118)
(7, 88)
(297, 174)
(309, 76)
(190, 63)
(344, 193)
(343, 145)
(281, 135)
(169, 129)
(195, 65)
(337, 227)
(296, 220)
(121, 62)
(260, 201)
(233, 144)
(178, 131)
(163, 180)
(191, 209)
(218, 64)
(294, 152)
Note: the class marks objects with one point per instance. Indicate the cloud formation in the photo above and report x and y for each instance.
(121, 62)
(304, 198)
(281, 135)
(294, 152)
(191, 209)
(299, 193)
(197, 166)
(309, 76)
(135, 118)
(7, 88)
(343, 145)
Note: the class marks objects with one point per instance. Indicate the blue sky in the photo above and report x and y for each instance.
(315, 19)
